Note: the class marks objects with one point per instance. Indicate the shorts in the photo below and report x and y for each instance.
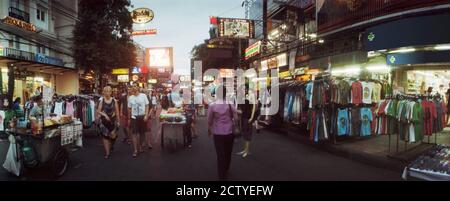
(138, 126)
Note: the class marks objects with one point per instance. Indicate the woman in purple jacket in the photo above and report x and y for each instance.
(220, 125)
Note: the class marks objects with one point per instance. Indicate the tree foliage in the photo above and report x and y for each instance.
(102, 36)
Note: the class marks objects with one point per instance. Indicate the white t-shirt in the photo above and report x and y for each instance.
(137, 105)
(367, 92)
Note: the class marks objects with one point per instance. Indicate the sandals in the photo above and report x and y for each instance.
(107, 157)
(135, 155)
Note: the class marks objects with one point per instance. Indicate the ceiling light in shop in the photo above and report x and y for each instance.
(346, 71)
(442, 47)
(4, 70)
(313, 35)
(378, 68)
(405, 50)
(321, 41)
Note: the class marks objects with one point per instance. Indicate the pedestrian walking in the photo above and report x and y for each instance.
(138, 107)
(124, 116)
(248, 111)
(148, 124)
(221, 115)
(190, 118)
(109, 121)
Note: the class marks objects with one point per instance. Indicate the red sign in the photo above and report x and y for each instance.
(144, 32)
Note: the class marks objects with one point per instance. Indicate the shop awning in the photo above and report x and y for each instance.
(36, 66)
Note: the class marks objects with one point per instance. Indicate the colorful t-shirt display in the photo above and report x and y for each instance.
(367, 92)
(366, 119)
(376, 96)
(343, 122)
(356, 93)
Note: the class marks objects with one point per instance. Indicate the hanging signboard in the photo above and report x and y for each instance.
(236, 28)
(19, 23)
(121, 71)
(253, 50)
(142, 15)
(123, 78)
(144, 32)
(1, 51)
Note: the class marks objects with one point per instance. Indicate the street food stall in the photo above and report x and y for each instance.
(173, 122)
(41, 138)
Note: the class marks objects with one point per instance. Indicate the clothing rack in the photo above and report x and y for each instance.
(412, 97)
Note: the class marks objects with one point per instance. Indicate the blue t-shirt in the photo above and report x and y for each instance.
(366, 119)
(343, 122)
(309, 88)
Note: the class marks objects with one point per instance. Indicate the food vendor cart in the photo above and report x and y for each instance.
(45, 144)
(172, 128)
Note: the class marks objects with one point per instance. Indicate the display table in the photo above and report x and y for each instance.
(434, 165)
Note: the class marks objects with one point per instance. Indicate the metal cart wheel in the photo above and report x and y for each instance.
(60, 163)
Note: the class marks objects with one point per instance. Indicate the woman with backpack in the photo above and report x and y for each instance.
(108, 110)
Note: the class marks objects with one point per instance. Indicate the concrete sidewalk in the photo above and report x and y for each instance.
(374, 150)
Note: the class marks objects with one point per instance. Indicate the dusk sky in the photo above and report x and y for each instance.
(182, 24)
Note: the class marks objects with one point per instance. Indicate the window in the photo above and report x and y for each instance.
(40, 15)
(41, 50)
(17, 41)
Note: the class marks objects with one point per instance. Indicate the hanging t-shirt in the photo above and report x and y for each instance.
(69, 108)
(376, 95)
(367, 92)
(92, 106)
(356, 93)
(366, 120)
(343, 122)
(2, 120)
(58, 108)
(309, 91)
(344, 92)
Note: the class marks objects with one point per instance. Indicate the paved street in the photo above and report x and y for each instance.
(274, 157)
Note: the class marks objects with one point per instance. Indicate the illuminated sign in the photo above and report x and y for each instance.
(160, 57)
(1, 51)
(236, 28)
(208, 78)
(121, 71)
(144, 32)
(152, 81)
(20, 24)
(284, 74)
(135, 78)
(136, 70)
(253, 50)
(142, 15)
(226, 73)
(123, 78)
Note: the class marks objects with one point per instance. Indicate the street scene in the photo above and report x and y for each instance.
(224, 90)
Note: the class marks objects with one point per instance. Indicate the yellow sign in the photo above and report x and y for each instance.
(1, 52)
(20, 24)
(284, 74)
(142, 15)
(152, 81)
(121, 71)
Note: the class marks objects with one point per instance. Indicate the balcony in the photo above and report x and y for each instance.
(19, 14)
(18, 54)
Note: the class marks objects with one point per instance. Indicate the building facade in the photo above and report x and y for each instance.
(35, 43)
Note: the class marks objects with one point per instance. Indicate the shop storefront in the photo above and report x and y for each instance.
(32, 73)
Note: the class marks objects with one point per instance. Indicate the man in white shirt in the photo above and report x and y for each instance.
(138, 110)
